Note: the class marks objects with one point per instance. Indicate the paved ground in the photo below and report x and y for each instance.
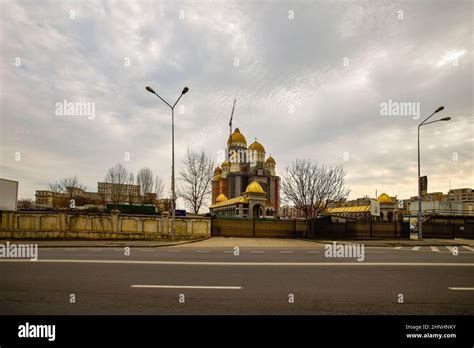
(259, 280)
(230, 242)
(100, 243)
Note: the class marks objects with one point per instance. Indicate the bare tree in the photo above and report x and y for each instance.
(65, 190)
(196, 178)
(150, 189)
(24, 203)
(145, 182)
(310, 187)
(118, 176)
(159, 187)
(131, 193)
(56, 199)
(72, 188)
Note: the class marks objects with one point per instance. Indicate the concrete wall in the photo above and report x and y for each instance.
(69, 225)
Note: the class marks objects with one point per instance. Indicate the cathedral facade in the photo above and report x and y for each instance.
(245, 184)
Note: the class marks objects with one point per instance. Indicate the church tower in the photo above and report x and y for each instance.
(243, 166)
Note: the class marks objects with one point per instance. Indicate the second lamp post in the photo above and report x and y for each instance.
(424, 123)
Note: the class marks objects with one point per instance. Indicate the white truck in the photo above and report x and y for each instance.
(8, 194)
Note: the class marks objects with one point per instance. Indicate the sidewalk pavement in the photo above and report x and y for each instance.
(230, 242)
(403, 242)
(102, 243)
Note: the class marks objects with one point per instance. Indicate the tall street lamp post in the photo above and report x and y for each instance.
(173, 199)
(424, 123)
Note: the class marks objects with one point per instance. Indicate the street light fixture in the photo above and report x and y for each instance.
(149, 89)
(424, 123)
(173, 199)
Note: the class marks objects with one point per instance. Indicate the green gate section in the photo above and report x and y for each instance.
(133, 209)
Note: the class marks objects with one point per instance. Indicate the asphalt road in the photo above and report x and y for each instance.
(257, 281)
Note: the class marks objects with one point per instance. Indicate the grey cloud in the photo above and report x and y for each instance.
(283, 63)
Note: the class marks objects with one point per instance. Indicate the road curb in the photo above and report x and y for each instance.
(123, 243)
(388, 244)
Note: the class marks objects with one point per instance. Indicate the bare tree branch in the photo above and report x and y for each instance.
(66, 189)
(145, 181)
(151, 187)
(310, 187)
(159, 187)
(119, 176)
(196, 178)
(72, 187)
(57, 198)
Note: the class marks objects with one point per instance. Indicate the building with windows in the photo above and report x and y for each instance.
(290, 212)
(119, 193)
(106, 193)
(454, 195)
(361, 212)
(252, 203)
(455, 202)
(431, 196)
(460, 195)
(50, 199)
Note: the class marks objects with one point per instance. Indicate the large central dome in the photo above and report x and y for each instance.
(237, 138)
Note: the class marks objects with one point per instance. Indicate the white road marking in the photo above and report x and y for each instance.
(228, 251)
(397, 247)
(450, 248)
(433, 248)
(286, 252)
(187, 287)
(202, 251)
(415, 248)
(313, 252)
(174, 251)
(257, 251)
(468, 248)
(202, 263)
(58, 249)
(462, 289)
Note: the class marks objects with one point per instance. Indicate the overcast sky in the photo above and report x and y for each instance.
(309, 78)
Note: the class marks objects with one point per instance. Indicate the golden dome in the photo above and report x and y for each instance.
(270, 160)
(237, 137)
(254, 187)
(221, 198)
(226, 163)
(384, 198)
(256, 146)
(218, 170)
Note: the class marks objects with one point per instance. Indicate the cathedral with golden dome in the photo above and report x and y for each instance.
(245, 185)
